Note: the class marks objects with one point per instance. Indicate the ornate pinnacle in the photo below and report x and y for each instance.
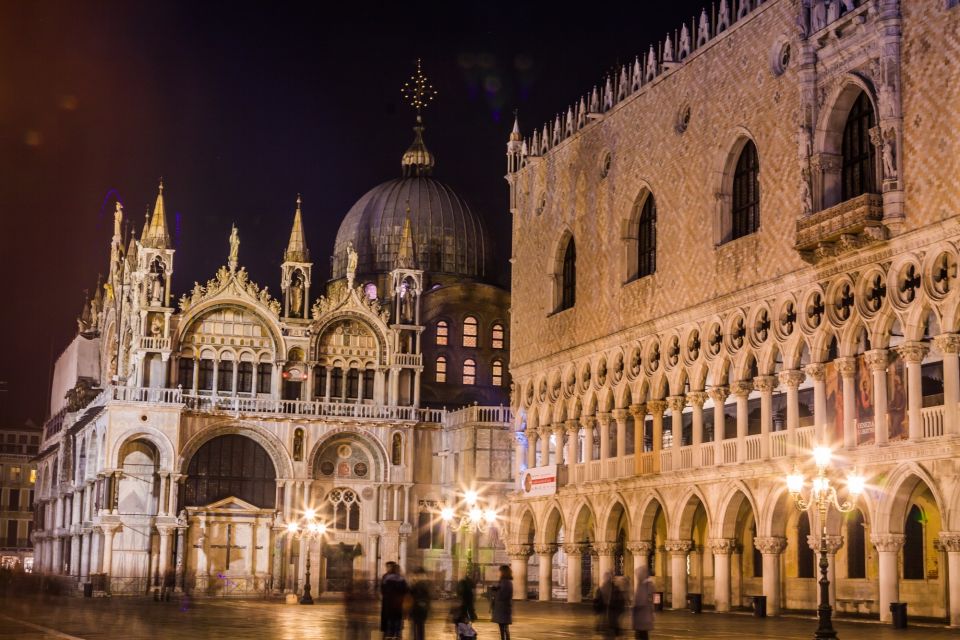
(418, 92)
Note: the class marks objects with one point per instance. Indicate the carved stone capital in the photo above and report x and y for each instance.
(588, 422)
(676, 403)
(165, 529)
(816, 371)
(519, 551)
(545, 549)
(765, 383)
(913, 352)
(847, 367)
(604, 419)
(640, 548)
(722, 546)
(741, 388)
(888, 541)
(545, 430)
(950, 541)
(656, 407)
(678, 547)
(697, 398)
(947, 342)
(718, 394)
(620, 414)
(792, 378)
(572, 425)
(877, 359)
(770, 544)
(604, 548)
(638, 411)
(832, 543)
(573, 548)
(558, 430)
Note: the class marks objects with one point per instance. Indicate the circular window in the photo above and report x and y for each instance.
(326, 468)
(683, 119)
(360, 469)
(344, 451)
(780, 57)
(605, 165)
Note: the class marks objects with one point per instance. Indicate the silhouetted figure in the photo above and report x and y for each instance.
(609, 605)
(393, 589)
(503, 602)
(643, 605)
(466, 593)
(420, 592)
(357, 604)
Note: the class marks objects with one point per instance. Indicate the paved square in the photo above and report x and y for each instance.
(136, 619)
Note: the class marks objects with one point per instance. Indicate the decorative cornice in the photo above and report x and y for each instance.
(950, 541)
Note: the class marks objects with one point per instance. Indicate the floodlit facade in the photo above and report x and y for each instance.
(194, 430)
(741, 245)
(18, 473)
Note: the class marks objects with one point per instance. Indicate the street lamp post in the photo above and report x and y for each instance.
(824, 495)
(307, 529)
(469, 516)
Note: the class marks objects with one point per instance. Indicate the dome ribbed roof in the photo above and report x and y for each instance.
(448, 237)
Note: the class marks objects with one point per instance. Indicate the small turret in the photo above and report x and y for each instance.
(296, 270)
(155, 233)
(515, 147)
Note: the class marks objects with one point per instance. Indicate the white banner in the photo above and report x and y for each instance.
(539, 481)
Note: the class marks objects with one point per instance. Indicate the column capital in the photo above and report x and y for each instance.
(573, 548)
(697, 398)
(888, 541)
(676, 403)
(638, 410)
(947, 342)
(846, 366)
(678, 547)
(792, 378)
(638, 547)
(572, 424)
(770, 545)
(741, 389)
(604, 548)
(913, 352)
(545, 549)
(107, 528)
(877, 359)
(718, 394)
(545, 430)
(722, 546)
(558, 429)
(587, 421)
(165, 529)
(620, 414)
(833, 543)
(656, 407)
(950, 541)
(519, 551)
(765, 383)
(604, 419)
(816, 370)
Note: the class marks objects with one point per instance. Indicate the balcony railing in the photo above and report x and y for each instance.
(476, 414)
(844, 227)
(154, 343)
(407, 359)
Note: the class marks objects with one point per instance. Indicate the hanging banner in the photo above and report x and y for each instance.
(539, 481)
(896, 398)
(863, 406)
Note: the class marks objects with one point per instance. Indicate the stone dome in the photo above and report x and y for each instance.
(448, 238)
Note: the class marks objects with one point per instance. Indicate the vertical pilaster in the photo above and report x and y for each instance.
(741, 390)
(913, 354)
(888, 545)
(771, 548)
(722, 548)
(817, 373)
(678, 550)
(949, 345)
(765, 385)
(877, 360)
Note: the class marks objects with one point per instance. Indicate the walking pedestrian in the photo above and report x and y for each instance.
(357, 601)
(609, 605)
(503, 602)
(466, 593)
(420, 592)
(393, 591)
(643, 605)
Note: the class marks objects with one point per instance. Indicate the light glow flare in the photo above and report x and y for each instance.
(490, 516)
(446, 514)
(822, 456)
(475, 514)
(470, 497)
(856, 484)
(292, 527)
(795, 482)
(310, 514)
(821, 485)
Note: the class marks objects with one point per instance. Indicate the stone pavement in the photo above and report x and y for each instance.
(135, 619)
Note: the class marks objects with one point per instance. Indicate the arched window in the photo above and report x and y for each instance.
(225, 375)
(496, 336)
(185, 373)
(396, 449)
(298, 445)
(368, 384)
(441, 369)
(206, 375)
(231, 465)
(858, 167)
(497, 373)
(336, 383)
(245, 377)
(443, 332)
(646, 239)
(319, 382)
(469, 331)
(745, 212)
(469, 371)
(804, 552)
(856, 556)
(568, 277)
(353, 383)
(264, 377)
(343, 509)
(913, 565)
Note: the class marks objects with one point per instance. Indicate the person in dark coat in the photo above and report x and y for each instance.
(643, 605)
(466, 593)
(503, 602)
(420, 593)
(393, 590)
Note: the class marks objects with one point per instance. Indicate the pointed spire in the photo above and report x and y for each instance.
(297, 246)
(117, 221)
(405, 255)
(515, 134)
(156, 235)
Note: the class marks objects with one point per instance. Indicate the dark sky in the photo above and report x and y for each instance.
(239, 107)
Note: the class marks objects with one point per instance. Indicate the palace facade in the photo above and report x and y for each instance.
(739, 246)
(186, 434)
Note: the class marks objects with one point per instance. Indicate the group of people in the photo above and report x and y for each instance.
(400, 600)
(610, 605)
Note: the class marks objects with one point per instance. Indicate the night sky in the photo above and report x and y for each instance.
(242, 106)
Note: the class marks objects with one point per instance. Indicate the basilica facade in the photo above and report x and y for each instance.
(742, 245)
(188, 433)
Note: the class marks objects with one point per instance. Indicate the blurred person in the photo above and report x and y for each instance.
(643, 605)
(421, 595)
(502, 603)
(609, 605)
(466, 593)
(393, 591)
(357, 603)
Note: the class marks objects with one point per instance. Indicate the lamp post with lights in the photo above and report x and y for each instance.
(307, 529)
(823, 495)
(470, 515)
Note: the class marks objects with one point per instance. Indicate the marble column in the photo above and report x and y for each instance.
(641, 558)
(559, 450)
(532, 437)
(574, 553)
(587, 422)
(639, 414)
(741, 390)
(404, 539)
(949, 345)
(791, 379)
(573, 438)
(656, 409)
(833, 544)
(771, 547)
(603, 424)
(722, 548)
(765, 385)
(604, 551)
(165, 531)
(56, 566)
(877, 360)
(545, 556)
(75, 555)
(951, 545)
(545, 431)
(85, 555)
(181, 558)
(847, 368)
(676, 404)
(888, 545)
(696, 399)
(817, 372)
(913, 354)
(620, 415)
(719, 396)
(519, 562)
(678, 550)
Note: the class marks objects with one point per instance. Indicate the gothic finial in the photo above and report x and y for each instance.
(297, 246)
(418, 91)
(155, 234)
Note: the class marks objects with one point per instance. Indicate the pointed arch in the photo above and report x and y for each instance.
(896, 492)
(687, 507)
(647, 513)
(728, 510)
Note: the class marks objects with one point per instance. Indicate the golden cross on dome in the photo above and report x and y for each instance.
(418, 92)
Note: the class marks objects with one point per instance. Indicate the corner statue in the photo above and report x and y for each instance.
(234, 247)
(351, 265)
